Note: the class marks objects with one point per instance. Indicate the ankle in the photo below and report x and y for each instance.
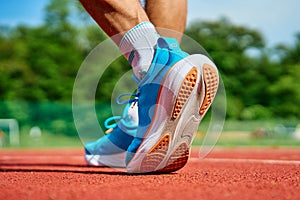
(137, 46)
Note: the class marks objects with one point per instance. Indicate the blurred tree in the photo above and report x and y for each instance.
(257, 85)
(291, 54)
(40, 64)
(285, 91)
(229, 46)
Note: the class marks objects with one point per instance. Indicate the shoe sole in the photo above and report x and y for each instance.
(180, 155)
(171, 151)
(110, 160)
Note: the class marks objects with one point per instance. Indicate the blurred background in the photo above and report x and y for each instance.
(255, 44)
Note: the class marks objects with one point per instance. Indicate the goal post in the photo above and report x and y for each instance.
(13, 130)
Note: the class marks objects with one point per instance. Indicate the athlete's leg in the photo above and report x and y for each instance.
(168, 14)
(115, 16)
(126, 22)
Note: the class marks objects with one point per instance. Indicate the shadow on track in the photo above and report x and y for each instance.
(68, 168)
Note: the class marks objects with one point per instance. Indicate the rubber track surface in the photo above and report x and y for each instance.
(225, 174)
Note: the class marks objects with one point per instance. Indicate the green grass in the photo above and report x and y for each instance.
(249, 126)
(275, 133)
(46, 140)
(51, 141)
(237, 139)
(235, 133)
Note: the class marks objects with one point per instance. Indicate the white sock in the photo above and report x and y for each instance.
(137, 46)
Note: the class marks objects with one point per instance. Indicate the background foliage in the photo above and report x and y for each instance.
(38, 66)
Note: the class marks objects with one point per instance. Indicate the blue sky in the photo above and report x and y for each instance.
(30, 12)
(277, 20)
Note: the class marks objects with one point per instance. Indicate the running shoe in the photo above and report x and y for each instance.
(110, 150)
(173, 97)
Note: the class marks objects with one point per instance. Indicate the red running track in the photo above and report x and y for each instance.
(236, 173)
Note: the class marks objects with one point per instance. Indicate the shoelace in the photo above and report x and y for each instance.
(110, 127)
(129, 101)
(125, 119)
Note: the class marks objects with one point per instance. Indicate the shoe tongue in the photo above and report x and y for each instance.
(129, 121)
(130, 115)
(168, 43)
(133, 113)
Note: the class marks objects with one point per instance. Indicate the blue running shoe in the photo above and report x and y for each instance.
(110, 150)
(173, 97)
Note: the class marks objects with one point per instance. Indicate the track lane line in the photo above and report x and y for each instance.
(192, 159)
(247, 160)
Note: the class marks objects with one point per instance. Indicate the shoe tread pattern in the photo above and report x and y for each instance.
(178, 158)
(185, 91)
(157, 153)
(211, 81)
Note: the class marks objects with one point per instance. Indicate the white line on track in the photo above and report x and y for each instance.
(244, 160)
(193, 159)
(36, 158)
